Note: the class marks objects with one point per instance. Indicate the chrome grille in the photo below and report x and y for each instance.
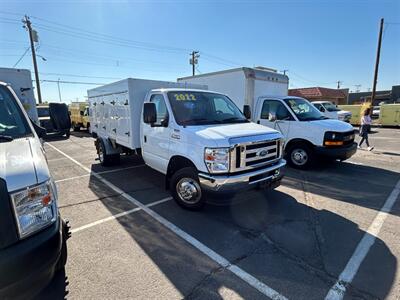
(246, 156)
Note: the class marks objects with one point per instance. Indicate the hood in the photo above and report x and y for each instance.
(23, 163)
(343, 112)
(227, 131)
(332, 125)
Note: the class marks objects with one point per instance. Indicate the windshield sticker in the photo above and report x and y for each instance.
(185, 97)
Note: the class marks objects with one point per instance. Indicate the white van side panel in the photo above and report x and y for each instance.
(115, 109)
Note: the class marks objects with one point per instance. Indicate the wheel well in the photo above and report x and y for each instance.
(176, 163)
(293, 142)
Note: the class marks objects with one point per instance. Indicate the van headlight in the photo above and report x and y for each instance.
(34, 208)
(217, 160)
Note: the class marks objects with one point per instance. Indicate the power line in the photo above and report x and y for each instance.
(80, 76)
(71, 82)
(26, 51)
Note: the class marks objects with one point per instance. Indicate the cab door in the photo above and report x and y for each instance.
(156, 136)
(276, 115)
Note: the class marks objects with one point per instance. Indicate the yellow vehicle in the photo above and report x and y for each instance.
(79, 112)
(390, 115)
(356, 111)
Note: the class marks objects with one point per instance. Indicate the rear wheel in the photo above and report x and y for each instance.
(104, 158)
(300, 156)
(186, 190)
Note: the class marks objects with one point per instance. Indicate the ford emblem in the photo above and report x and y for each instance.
(262, 153)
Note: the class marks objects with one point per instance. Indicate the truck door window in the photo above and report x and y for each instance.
(276, 108)
(161, 109)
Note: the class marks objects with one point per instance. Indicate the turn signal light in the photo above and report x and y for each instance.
(333, 143)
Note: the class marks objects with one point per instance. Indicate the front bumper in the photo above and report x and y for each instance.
(233, 183)
(337, 153)
(29, 265)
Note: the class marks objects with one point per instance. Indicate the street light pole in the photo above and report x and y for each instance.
(59, 91)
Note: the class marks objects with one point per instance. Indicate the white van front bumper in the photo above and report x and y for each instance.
(231, 183)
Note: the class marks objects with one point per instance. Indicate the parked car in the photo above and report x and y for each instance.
(307, 132)
(330, 110)
(79, 113)
(32, 234)
(199, 139)
(54, 117)
(375, 112)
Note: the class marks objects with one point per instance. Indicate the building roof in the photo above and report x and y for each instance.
(317, 92)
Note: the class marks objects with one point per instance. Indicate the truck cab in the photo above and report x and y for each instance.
(32, 233)
(307, 132)
(203, 143)
(79, 113)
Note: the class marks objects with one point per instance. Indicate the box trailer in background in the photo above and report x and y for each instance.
(20, 81)
(243, 85)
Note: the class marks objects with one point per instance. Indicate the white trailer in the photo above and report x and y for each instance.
(243, 85)
(21, 82)
(115, 109)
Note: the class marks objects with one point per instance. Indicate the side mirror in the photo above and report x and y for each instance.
(247, 111)
(40, 131)
(271, 117)
(149, 113)
(82, 113)
(69, 112)
(322, 109)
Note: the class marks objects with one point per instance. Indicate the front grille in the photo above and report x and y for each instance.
(246, 156)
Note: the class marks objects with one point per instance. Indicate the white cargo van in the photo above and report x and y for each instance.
(32, 233)
(307, 132)
(199, 139)
(331, 111)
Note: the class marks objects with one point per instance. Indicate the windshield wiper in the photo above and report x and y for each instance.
(200, 121)
(6, 138)
(234, 120)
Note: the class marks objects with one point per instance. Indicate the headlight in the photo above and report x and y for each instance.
(217, 159)
(333, 139)
(34, 208)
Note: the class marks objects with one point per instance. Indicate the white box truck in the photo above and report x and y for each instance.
(308, 133)
(199, 139)
(21, 82)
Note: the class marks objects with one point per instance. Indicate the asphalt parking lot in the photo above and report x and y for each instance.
(130, 240)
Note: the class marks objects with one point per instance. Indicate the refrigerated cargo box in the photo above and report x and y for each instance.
(390, 115)
(115, 109)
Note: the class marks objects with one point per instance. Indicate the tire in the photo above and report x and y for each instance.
(76, 127)
(62, 261)
(68, 134)
(300, 156)
(183, 183)
(106, 159)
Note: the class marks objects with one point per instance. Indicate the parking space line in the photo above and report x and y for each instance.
(119, 215)
(102, 172)
(223, 262)
(339, 289)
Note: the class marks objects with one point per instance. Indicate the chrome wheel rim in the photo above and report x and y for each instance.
(188, 190)
(299, 157)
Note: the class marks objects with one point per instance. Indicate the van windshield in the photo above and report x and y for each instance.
(204, 108)
(12, 121)
(304, 110)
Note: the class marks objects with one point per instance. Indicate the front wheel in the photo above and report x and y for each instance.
(300, 156)
(186, 190)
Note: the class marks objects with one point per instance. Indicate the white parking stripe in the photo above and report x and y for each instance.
(249, 279)
(102, 172)
(116, 216)
(338, 290)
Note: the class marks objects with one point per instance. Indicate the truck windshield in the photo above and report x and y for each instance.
(330, 106)
(204, 108)
(304, 110)
(43, 112)
(12, 121)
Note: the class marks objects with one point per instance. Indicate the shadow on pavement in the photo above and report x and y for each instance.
(272, 236)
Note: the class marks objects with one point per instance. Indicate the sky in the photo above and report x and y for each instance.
(96, 42)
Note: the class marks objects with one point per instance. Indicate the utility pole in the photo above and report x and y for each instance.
(194, 60)
(33, 38)
(378, 54)
(357, 87)
(284, 71)
(338, 84)
(59, 92)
